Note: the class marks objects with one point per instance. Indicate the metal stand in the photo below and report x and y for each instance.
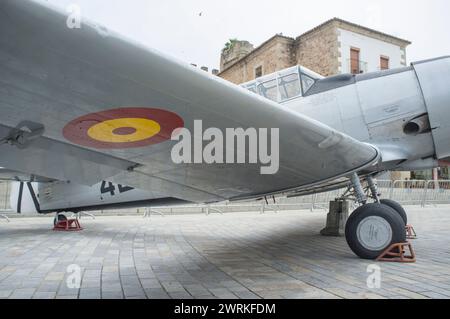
(410, 232)
(265, 206)
(214, 210)
(68, 225)
(150, 211)
(397, 253)
(5, 217)
(80, 214)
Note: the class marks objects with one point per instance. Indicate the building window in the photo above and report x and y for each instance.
(384, 63)
(354, 61)
(258, 72)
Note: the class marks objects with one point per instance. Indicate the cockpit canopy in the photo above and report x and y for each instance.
(284, 85)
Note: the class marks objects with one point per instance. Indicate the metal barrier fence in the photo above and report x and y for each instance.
(406, 192)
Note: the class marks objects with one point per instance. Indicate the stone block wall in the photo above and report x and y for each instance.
(274, 55)
(319, 51)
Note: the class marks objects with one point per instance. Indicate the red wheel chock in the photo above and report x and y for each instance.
(410, 232)
(68, 225)
(397, 253)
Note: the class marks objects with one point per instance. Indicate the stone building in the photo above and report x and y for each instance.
(334, 47)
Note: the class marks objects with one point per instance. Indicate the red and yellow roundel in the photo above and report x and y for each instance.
(123, 128)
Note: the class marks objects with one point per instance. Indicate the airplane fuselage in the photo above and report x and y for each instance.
(389, 110)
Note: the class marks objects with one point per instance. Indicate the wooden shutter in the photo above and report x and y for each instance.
(384, 63)
(354, 61)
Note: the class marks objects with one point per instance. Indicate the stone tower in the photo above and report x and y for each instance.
(234, 51)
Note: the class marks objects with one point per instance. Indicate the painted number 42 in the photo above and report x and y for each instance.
(108, 187)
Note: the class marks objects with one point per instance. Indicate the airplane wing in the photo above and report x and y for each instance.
(7, 175)
(57, 82)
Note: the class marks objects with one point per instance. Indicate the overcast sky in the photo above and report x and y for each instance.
(195, 31)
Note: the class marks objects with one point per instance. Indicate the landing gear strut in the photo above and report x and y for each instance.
(373, 227)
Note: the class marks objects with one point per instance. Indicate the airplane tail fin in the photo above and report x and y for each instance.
(24, 198)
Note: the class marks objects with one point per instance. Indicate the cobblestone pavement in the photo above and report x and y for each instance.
(244, 255)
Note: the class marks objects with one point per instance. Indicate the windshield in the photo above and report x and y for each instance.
(284, 85)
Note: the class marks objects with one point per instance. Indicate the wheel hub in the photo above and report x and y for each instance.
(374, 233)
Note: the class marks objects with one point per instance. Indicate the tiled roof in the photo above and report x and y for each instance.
(406, 42)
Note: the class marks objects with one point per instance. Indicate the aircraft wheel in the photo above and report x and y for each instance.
(397, 207)
(372, 228)
(61, 218)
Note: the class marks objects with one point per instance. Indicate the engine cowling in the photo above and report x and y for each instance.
(434, 78)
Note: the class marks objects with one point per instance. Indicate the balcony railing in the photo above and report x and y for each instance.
(356, 66)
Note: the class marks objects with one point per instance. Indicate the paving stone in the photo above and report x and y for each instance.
(49, 286)
(5, 293)
(44, 295)
(55, 276)
(181, 295)
(23, 293)
(131, 291)
(157, 293)
(89, 293)
(66, 291)
(67, 297)
(172, 286)
(235, 255)
(435, 295)
(150, 283)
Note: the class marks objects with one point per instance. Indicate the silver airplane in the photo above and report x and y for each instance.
(61, 85)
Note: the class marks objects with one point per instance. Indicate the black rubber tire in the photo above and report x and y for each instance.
(380, 210)
(397, 207)
(60, 219)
